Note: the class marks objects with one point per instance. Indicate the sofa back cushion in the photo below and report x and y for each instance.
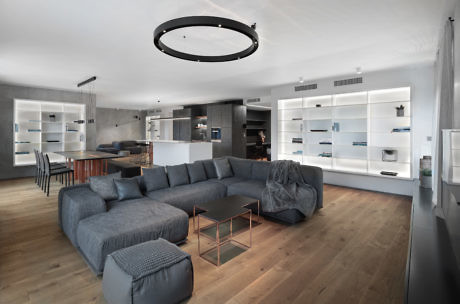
(104, 186)
(177, 175)
(155, 179)
(129, 143)
(117, 145)
(241, 167)
(223, 168)
(196, 172)
(209, 168)
(260, 170)
(127, 188)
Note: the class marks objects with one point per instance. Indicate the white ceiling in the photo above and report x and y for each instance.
(56, 44)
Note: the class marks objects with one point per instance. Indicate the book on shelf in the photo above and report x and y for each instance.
(325, 142)
(400, 130)
(325, 154)
(297, 140)
(297, 152)
(389, 173)
(23, 142)
(318, 130)
(297, 118)
(360, 143)
(34, 130)
(22, 152)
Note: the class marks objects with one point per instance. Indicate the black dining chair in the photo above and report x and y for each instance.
(37, 168)
(63, 172)
(40, 167)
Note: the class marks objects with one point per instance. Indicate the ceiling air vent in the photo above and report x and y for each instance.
(306, 87)
(252, 100)
(343, 82)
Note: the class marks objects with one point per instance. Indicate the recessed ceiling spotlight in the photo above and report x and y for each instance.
(301, 79)
(359, 71)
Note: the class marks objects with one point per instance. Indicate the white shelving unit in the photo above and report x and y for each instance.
(354, 132)
(451, 157)
(48, 127)
(152, 128)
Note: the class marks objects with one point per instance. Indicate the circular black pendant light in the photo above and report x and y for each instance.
(209, 21)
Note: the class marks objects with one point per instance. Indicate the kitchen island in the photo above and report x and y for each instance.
(176, 152)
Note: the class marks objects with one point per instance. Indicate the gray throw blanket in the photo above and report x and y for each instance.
(286, 189)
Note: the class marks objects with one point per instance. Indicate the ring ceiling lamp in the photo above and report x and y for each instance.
(209, 21)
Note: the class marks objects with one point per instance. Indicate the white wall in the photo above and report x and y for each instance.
(419, 78)
(457, 68)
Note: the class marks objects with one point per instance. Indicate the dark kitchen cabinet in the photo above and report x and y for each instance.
(231, 119)
(182, 128)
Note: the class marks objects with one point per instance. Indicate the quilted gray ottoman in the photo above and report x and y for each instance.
(151, 272)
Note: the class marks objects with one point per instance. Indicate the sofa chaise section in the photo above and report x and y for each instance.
(128, 223)
(97, 228)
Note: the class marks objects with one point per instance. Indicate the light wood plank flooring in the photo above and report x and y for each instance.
(352, 251)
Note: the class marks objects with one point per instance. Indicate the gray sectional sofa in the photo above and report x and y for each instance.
(98, 227)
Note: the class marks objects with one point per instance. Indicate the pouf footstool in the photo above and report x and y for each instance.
(151, 272)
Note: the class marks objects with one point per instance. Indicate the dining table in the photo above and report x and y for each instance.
(87, 163)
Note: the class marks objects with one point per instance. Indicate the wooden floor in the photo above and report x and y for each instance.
(351, 251)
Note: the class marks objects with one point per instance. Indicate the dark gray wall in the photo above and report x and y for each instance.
(7, 95)
(118, 124)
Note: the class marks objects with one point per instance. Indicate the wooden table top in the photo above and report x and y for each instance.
(87, 155)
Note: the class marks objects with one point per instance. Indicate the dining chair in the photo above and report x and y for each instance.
(37, 168)
(63, 172)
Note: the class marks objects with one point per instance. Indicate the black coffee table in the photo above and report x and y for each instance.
(226, 214)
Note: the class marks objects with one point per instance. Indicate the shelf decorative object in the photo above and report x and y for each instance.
(354, 132)
(400, 111)
(389, 155)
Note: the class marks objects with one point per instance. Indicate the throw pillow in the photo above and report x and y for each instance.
(223, 168)
(177, 175)
(104, 186)
(127, 188)
(241, 167)
(209, 168)
(196, 172)
(155, 179)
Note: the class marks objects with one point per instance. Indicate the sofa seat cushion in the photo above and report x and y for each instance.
(128, 223)
(228, 181)
(251, 188)
(186, 196)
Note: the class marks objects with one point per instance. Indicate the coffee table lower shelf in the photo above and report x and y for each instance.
(226, 248)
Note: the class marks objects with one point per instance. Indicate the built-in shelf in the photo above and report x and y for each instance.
(451, 157)
(365, 118)
(50, 120)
